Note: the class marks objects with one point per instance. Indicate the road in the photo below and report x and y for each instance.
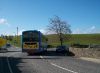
(14, 61)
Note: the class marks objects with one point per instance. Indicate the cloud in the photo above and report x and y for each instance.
(89, 30)
(3, 21)
(93, 27)
(45, 31)
(77, 31)
(20, 32)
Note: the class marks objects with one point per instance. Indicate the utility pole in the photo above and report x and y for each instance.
(17, 31)
(17, 35)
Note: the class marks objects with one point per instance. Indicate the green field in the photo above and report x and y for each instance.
(73, 39)
(76, 39)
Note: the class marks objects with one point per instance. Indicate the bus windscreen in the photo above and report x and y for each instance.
(30, 37)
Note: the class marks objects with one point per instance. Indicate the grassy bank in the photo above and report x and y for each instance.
(84, 39)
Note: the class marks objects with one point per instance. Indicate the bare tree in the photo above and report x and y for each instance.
(59, 27)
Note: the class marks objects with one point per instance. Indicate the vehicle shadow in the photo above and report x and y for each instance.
(54, 53)
(13, 51)
(10, 65)
(48, 55)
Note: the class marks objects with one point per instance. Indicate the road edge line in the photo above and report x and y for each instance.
(63, 68)
(94, 60)
(41, 57)
(9, 66)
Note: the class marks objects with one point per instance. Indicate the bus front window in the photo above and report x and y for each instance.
(31, 37)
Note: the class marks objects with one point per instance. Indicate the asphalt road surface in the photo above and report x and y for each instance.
(14, 61)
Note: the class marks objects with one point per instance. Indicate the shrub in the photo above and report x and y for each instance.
(50, 46)
(80, 46)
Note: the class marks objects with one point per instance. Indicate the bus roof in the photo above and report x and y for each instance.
(30, 31)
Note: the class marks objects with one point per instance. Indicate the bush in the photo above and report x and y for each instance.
(50, 46)
(2, 42)
(80, 46)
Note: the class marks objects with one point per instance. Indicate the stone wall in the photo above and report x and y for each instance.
(86, 52)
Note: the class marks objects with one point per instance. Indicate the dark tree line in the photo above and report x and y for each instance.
(7, 37)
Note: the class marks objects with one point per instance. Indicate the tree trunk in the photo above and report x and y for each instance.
(61, 39)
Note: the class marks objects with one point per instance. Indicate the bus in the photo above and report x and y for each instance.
(33, 41)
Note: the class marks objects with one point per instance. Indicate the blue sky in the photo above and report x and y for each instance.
(82, 15)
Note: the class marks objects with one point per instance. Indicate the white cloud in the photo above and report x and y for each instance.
(93, 27)
(89, 30)
(3, 21)
(44, 31)
(77, 31)
(20, 32)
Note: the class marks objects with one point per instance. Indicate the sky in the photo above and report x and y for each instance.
(82, 15)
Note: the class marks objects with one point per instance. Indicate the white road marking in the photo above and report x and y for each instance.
(63, 68)
(41, 57)
(9, 66)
